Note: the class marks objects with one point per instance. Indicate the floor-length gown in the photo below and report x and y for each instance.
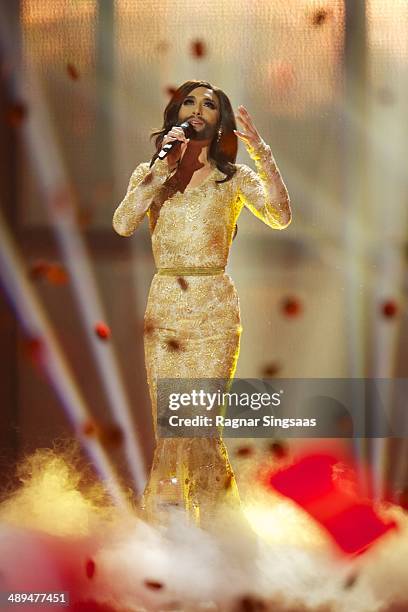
(192, 323)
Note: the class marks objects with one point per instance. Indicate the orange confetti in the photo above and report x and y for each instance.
(103, 331)
(56, 274)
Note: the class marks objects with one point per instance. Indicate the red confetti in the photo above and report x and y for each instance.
(34, 350)
(198, 48)
(182, 282)
(271, 369)
(319, 17)
(173, 344)
(111, 435)
(56, 274)
(279, 450)
(155, 585)
(403, 499)
(72, 71)
(39, 269)
(248, 603)
(313, 482)
(244, 451)
(389, 309)
(102, 331)
(90, 428)
(170, 91)
(16, 114)
(291, 307)
(90, 568)
(84, 218)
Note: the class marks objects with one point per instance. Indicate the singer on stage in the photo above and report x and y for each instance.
(193, 198)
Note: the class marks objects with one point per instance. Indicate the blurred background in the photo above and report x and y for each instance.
(83, 83)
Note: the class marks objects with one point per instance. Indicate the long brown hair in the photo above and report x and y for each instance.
(222, 151)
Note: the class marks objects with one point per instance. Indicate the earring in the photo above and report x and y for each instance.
(219, 134)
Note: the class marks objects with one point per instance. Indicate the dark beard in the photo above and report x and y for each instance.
(208, 132)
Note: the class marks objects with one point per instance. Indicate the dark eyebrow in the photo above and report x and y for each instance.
(210, 99)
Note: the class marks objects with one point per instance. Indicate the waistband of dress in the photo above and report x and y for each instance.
(190, 271)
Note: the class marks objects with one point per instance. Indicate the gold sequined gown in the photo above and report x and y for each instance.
(192, 323)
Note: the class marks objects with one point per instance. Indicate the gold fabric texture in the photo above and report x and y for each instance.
(192, 323)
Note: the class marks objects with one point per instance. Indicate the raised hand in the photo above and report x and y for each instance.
(251, 135)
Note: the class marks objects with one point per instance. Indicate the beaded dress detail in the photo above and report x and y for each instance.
(192, 323)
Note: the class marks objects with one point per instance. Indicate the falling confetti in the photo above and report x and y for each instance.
(170, 91)
(56, 274)
(173, 344)
(38, 269)
(389, 309)
(291, 307)
(153, 584)
(198, 48)
(34, 350)
(244, 451)
(182, 282)
(320, 17)
(72, 72)
(271, 369)
(279, 450)
(111, 435)
(90, 567)
(89, 428)
(16, 114)
(102, 331)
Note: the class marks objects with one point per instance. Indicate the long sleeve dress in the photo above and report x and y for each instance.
(192, 323)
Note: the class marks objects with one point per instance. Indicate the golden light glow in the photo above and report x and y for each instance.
(280, 521)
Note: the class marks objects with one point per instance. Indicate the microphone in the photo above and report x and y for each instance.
(187, 129)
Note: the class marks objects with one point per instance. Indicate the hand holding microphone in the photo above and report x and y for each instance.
(171, 143)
